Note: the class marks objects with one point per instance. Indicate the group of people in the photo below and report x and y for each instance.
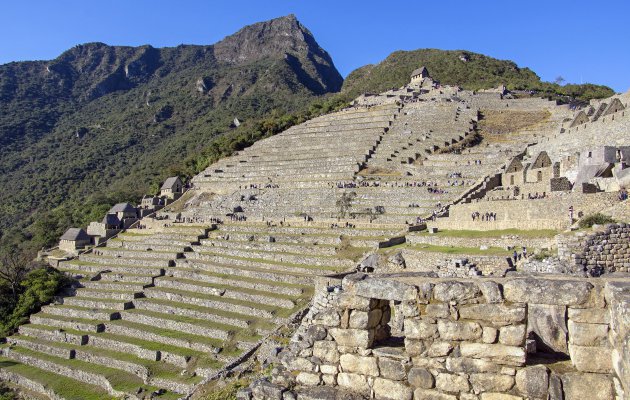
(259, 186)
(488, 216)
(536, 196)
(238, 218)
(436, 191)
(346, 225)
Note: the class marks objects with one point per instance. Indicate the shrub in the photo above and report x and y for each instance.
(595, 219)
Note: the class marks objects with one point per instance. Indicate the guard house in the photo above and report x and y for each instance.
(418, 75)
(172, 188)
(74, 239)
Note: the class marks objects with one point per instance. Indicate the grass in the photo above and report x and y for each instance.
(210, 297)
(459, 250)
(530, 234)
(230, 288)
(250, 280)
(282, 263)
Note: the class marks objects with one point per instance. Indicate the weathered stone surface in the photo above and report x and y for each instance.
(354, 382)
(489, 334)
(501, 354)
(326, 351)
(439, 349)
(533, 381)
(266, 390)
(577, 385)
(513, 335)
(491, 291)
(308, 379)
(451, 383)
(591, 359)
(414, 347)
(421, 378)
(418, 329)
(587, 334)
(589, 315)
(547, 322)
(359, 364)
(470, 365)
(350, 300)
(385, 289)
(547, 291)
(491, 382)
(329, 318)
(300, 364)
(439, 310)
(353, 337)
(499, 396)
(392, 369)
(459, 330)
(499, 314)
(424, 394)
(455, 291)
(365, 319)
(328, 369)
(391, 390)
(555, 387)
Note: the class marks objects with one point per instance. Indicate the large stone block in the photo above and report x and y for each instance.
(354, 382)
(591, 359)
(499, 396)
(588, 334)
(577, 386)
(499, 314)
(354, 302)
(455, 291)
(513, 335)
(533, 381)
(459, 330)
(451, 383)
(421, 378)
(418, 329)
(365, 319)
(470, 365)
(329, 318)
(424, 394)
(491, 382)
(308, 379)
(392, 369)
(359, 364)
(589, 315)
(385, 289)
(266, 390)
(498, 353)
(547, 322)
(391, 390)
(547, 291)
(491, 292)
(326, 351)
(414, 347)
(353, 337)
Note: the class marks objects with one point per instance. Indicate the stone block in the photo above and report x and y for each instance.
(489, 334)
(533, 381)
(451, 383)
(513, 335)
(470, 365)
(439, 349)
(326, 351)
(499, 314)
(354, 302)
(459, 330)
(591, 358)
(423, 394)
(414, 347)
(266, 390)
(498, 353)
(359, 364)
(385, 289)
(547, 291)
(499, 396)
(439, 310)
(391, 390)
(587, 334)
(555, 388)
(418, 329)
(392, 369)
(328, 369)
(595, 386)
(421, 378)
(354, 382)
(547, 322)
(589, 315)
(455, 291)
(301, 364)
(353, 337)
(329, 318)
(365, 319)
(491, 382)
(491, 292)
(329, 379)
(308, 379)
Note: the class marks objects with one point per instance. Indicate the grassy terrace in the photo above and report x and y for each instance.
(457, 250)
(65, 387)
(217, 298)
(304, 288)
(228, 287)
(271, 262)
(543, 233)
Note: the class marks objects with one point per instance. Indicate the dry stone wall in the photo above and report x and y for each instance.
(403, 339)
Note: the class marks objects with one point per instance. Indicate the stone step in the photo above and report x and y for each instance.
(81, 312)
(154, 241)
(126, 261)
(64, 322)
(179, 323)
(116, 286)
(253, 295)
(107, 294)
(42, 346)
(78, 265)
(220, 303)
(145, 246)
(283, 264)
(122, 252)
(248, 272)
(278, 247)
(187, 310)
(53, 334)
(240, 282)
(144, 279)
(99, 304)
(48, 384)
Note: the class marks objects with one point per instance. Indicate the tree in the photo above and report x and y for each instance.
(14, 266)
(559, 80)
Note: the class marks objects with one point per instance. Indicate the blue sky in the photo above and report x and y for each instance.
(582, 41)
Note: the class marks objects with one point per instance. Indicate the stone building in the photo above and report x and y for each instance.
(418, 75)
(514, 173)
(74, 239)
(108, 227)
(172, 188)
(126, 213)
